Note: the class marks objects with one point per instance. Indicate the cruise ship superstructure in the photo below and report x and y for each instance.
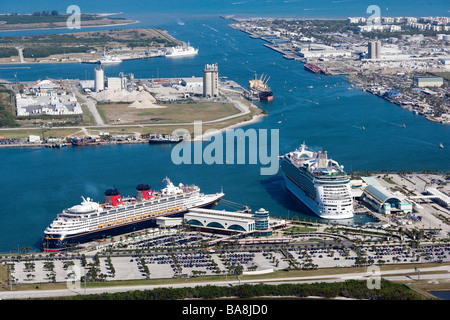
(90, 220)
(320, 183)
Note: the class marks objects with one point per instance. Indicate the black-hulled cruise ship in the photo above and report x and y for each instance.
(90, 220)
(320, 183)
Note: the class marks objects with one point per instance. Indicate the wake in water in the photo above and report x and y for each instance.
(395, 124)
(421, 141)
(205, 25)
(362, 127)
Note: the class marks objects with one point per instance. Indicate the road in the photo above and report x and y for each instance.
(20, 50)
(408, 274)
(89, 103)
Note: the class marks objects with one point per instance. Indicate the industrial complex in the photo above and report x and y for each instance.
(46, 98)
(404, 60)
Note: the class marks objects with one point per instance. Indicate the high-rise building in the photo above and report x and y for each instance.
(211, 80)
(374, 49)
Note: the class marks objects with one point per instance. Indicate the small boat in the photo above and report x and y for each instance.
(441, 145)
(404, 126)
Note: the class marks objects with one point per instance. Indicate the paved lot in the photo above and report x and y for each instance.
(181, 255)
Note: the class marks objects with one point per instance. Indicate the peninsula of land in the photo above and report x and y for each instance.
(55, 20)
(85, 47)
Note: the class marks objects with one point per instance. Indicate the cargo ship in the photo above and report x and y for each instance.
(91, 220)
(84, 141)
(318, 182)
(312, 67)
(316, 69)
(259, 89)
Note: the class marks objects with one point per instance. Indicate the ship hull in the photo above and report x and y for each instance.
(266, 97)
(57, 244)
(309, 202)
(180, 55)
(312, 68)
(164, 141)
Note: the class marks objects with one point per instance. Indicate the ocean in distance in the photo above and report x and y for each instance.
(297, 8)
(38, 183)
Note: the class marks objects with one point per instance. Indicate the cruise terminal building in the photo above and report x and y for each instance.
(226, 222)
(384, 201)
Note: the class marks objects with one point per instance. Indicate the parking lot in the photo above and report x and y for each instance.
(191, 261)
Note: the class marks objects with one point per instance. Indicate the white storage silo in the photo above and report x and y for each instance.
(210, 80)
(99, 79)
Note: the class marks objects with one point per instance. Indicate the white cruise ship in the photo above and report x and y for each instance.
(94, 221)
(181, 51)
(320, 183)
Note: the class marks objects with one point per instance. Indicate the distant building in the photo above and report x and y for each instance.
(378, 27)
(374, 49)
(116, 84)
(324, 53)
(193, 83)
(211, 80)
(34, 139)
(428, 81)
(46, 98)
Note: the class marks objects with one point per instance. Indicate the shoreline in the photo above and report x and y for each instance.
(208, 136)
(203, 137)
(243, 107)
(244, 110)
(63, 28)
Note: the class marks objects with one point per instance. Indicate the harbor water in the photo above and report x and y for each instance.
(37, 183)
(443, 295)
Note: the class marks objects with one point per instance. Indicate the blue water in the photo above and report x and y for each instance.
(39, 183)
(298, 8)
(444, 295)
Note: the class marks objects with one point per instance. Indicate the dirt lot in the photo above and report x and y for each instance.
(171, 113)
